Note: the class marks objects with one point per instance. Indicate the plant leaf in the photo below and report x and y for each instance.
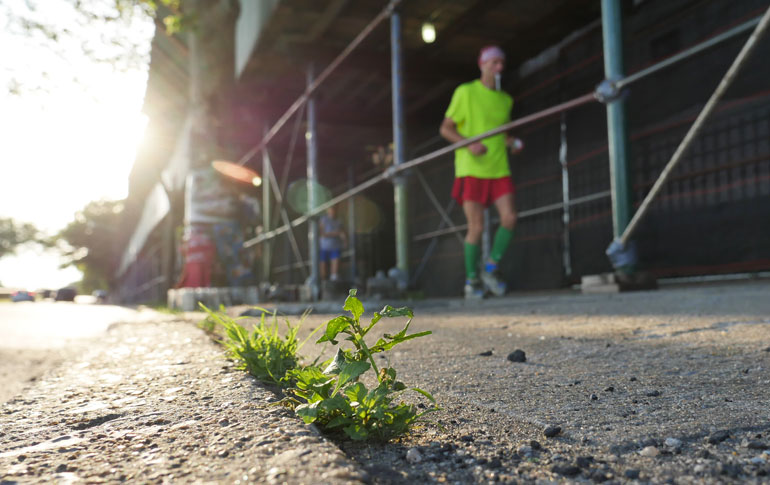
(389, 311)
(425, 393)
(354, 305)
(382, 345)
(339, 421)
(333, 327)
(336, 404)
(336, 364)
(357, 392)
(356, 431)
(308, 412)
(350, 371)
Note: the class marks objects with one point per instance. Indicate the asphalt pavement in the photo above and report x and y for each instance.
(661, 386)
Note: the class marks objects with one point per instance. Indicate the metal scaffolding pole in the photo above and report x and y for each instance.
(284, 214)
(617, 137)
(352, 230)
(312, 185)
(565, 215)
(266, 213)
(617, 245)
(400, 195)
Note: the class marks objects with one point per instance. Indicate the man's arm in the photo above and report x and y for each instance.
(448, 130)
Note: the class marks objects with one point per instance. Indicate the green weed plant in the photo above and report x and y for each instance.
(263, 352)
(336, 400)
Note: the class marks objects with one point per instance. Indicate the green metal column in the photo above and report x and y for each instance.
(617, 137)
(399, 148)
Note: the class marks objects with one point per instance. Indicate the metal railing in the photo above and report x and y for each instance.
(396, 170)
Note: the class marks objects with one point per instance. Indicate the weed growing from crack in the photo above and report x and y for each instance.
(263, 352)
(334, 398)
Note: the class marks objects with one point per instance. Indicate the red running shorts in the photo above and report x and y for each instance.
(483, 191)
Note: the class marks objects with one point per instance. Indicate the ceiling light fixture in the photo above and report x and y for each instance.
(428, 33)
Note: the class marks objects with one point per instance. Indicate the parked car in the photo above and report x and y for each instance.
(22, 295)
(65, 294)
(101, 296)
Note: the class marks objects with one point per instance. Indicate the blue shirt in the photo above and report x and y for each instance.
(327, 225)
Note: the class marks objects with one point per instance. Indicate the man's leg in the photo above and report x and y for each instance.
(322, 265)
(507, 210)
(506, 207)
(335, 266)
(474, 215)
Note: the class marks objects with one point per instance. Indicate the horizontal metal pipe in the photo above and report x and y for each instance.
(318, 81)
(567, 105)
(696, 49)
(320, 208)
(521, 215)
(305, 263)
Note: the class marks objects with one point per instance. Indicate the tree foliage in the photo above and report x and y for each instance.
(13, 234)
(92, 243)
(66, 32)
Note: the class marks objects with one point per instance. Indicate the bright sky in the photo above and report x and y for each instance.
(70, 134)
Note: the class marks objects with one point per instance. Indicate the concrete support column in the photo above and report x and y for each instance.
(312, 185)
(399, 148)
(617, 136)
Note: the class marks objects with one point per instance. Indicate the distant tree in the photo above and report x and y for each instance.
(92, 243)
(14, 234)
(104, 31)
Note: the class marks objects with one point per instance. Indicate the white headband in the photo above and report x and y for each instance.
(490, 52)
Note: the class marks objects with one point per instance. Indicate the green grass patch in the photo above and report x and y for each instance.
(263, 352)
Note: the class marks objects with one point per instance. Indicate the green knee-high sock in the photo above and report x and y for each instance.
(503, 238)
(472, 253)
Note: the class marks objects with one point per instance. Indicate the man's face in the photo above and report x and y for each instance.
(493, 66)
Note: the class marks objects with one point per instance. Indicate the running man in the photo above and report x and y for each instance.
(482, 174)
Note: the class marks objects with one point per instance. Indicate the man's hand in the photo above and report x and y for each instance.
(515, 144)
(477, 148)
(449, 131)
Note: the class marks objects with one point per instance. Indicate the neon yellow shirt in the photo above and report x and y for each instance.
(475, 109)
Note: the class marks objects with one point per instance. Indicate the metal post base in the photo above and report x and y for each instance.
(622, 256)
(618, 282)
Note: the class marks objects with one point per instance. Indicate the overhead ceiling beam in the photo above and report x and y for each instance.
(318, 28)
(328, 16)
